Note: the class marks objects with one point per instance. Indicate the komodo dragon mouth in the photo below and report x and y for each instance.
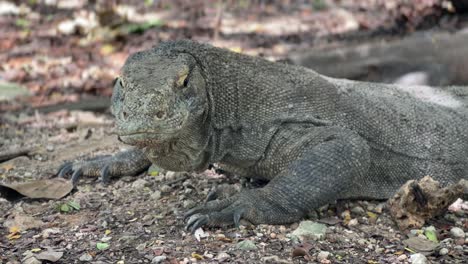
(137, 138)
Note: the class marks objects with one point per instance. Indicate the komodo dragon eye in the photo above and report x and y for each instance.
(182, 80)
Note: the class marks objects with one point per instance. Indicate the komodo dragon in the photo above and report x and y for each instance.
(185, 105)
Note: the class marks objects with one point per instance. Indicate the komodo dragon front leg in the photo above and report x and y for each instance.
(130, 162)
(316, 173)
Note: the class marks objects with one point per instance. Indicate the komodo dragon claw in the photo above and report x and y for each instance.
(130, 162)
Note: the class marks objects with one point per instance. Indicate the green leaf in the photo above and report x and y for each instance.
(74, 205)
(21, 22)
(102, 246)
(65, 208)
(431, 235)
(142, 27)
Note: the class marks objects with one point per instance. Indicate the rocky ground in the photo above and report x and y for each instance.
(139, 219)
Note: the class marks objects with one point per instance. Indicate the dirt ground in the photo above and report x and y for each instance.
(139, 219)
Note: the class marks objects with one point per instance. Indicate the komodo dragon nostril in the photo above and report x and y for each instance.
(160, 114)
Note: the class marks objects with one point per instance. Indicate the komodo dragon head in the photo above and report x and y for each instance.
(160, 94)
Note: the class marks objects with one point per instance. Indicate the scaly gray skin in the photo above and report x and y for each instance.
(316, 139)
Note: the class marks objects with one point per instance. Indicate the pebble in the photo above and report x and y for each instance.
(156, 195)
(353, 222)
(379, 208)
(402, 257)
(141, 247)
(165, 188)
(139, 184)
(418, 258)
(222, 256)
(459, 248)
(246, 245)
(323, 255)
(158, 259)
(310, 230)
(358, 210)
(86, 257)
(50, 148)
(273, 235)
(457, 232)
(188, 204)
(443, 251)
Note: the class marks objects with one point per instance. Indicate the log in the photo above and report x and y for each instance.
(443, 57)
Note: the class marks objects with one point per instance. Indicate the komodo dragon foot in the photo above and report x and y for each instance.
(253, 205)
(129, 162)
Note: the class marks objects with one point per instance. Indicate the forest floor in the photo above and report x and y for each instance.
(63, 54)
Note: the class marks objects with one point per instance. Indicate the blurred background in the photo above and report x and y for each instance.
(65, 53)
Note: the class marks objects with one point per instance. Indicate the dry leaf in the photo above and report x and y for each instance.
(54, 188)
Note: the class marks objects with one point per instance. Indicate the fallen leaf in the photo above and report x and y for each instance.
(419, 244)
(17, 222)
(102, 246)
(197, 256)
(54, 188)
(65, 208)
(74, 205)
(431, 235)
(14, 233)
(346, 217)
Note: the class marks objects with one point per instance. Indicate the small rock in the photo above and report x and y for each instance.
(273, 235)
(443, 251)
(51, 256)
(156, 195)
(458, 248)
(48, 231)
(310, 230)
(246, 245)
(139, 184)
(418, 259)
(141, 247)
(86, 257)
(222, 256)
(50, 148)
(379, 208)
(165, 188)
(358, 210)
(457, 232)
(402, 257)
(158, 259)
(353, 222)
(188, 204)
(323, 255)
(274, 259)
